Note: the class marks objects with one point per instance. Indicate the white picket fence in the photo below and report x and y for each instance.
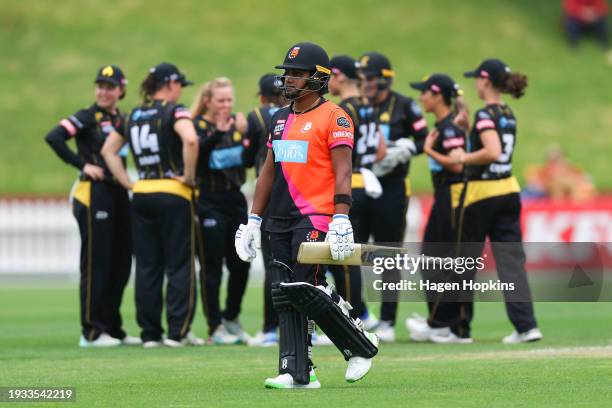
(40, 237)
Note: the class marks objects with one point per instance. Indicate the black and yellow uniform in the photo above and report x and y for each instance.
(255, 152)
(348, 279)
(440, 238)
(398, 116)
(221, 209)
(102, 210)
(164, 231)
(489, 205)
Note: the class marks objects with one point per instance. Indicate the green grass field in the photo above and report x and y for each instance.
(51, 50)
(571, 367)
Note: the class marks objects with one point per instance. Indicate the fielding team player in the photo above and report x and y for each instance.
(221, 207)
(305, 186)
(255, 152)
(490, 204)
(164, 145)
(369, 148)
(102, 209)
(438, 95)
(400, 120)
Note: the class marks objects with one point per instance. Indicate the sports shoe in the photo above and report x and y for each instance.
(192, 340)
(152, 344)
(420, 330)
(285, 381)
(385, 332)
(221, 337)
(131, 341)
(450, 338)
(530, 335)
(261, 339)
(103, 340)
(320, 340)
(370, 322)
(234, 327)
(173, 343)
(358, 367)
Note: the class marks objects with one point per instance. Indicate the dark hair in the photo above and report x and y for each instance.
(149, 86)
(514, 84)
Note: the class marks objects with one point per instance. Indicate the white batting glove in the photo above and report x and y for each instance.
(248, 238)
(340, 237)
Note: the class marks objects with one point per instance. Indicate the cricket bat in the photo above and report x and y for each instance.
(319, 253)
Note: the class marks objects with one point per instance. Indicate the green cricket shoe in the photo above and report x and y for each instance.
(285, 381)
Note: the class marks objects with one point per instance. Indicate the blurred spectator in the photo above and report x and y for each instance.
(558, 179)
(587, 17)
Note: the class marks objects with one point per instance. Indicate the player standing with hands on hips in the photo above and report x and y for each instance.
(164, 145)
(102, 209)
(305, 186)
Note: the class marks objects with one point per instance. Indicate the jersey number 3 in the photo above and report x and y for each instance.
(142, 139)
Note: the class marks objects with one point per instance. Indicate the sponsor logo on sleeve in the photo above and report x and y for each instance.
(343, 122)
(342, 134)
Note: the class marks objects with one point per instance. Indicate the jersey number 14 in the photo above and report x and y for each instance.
(142, 139)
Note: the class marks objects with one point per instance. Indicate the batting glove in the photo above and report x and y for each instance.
(248, 238)
(340, 237)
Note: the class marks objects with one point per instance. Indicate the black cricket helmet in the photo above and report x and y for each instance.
(306, 56)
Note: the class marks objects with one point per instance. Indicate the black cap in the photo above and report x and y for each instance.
(111, 74)
(343, 64)
(165, 72)
(493, 69)
(308, 57)
(438, 83)
(375, 64)
(267, 86)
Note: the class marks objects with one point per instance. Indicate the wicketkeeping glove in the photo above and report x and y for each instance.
(248, 238)
(340, 237)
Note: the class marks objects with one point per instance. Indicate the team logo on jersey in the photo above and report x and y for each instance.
(290, 151)
(449, 132)
(484, 115)
(108, 71)
(384, 117)
(343, 122)
(98, 116)
(306, 127)
(280, 126)
(202, 124)
(312, 236)
(237, 136)
(364, 61)
(294, 52)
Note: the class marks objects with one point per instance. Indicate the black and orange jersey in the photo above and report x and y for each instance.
(500, 118)
(157, 149)
(450, 137)
(220, 167)
(256, 137)
(399, 116)
(89, 127)
(304, 183)
(367, 137)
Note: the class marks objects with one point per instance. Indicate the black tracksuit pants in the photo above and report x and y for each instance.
(102, 210)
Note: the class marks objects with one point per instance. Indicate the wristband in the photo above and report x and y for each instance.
(343, 199)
